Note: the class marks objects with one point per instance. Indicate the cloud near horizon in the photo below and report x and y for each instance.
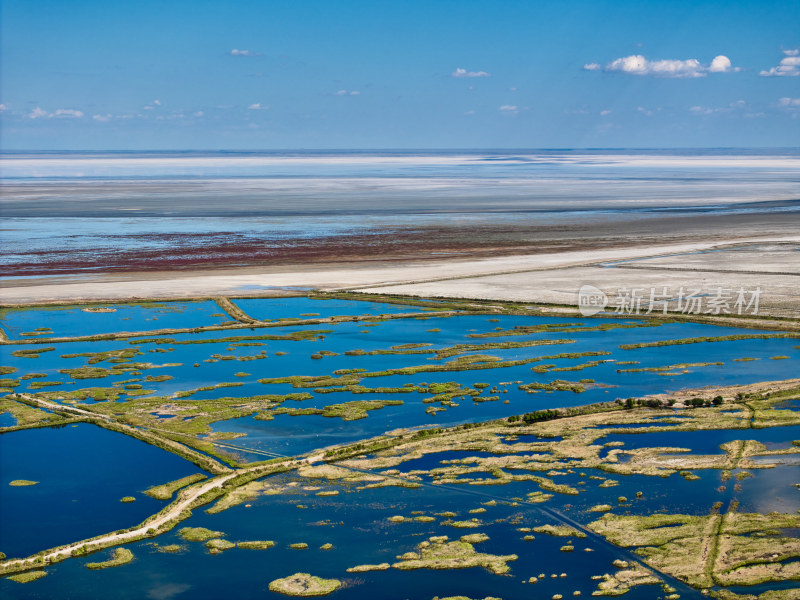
(788, 67)
(464, 73)
(61, 113)
(637, 64)
(238, 52)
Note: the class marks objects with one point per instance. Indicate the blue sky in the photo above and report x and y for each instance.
(176, 74)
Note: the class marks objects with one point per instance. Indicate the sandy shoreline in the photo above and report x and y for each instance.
(767, 262)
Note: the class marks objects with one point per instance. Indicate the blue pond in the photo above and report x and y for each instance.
(265, 309)
(83, 471)
(82, 320)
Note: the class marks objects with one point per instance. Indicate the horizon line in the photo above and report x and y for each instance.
(404, 149)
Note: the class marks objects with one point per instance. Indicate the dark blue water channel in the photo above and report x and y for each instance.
(82, 472)
(357, 526)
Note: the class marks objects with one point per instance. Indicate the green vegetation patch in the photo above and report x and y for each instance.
(22, 483)
(559, 385)
(256, 545)
(96, 357)
(347, 411)
(165, 491)
(199, 534)
(706, 339)
(559, 531)
(169, 548)
(121, 556)
(31, 352)
(218, 545)
(38, 385)
(366, 568)
(26, 415)
(304, 584)
(27, 576)
(439, 553)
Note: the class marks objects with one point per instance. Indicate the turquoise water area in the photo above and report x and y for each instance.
(83, 320)
(265, 309)
(196, 360)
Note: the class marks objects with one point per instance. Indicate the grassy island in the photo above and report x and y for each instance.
(27, 576)
(199, 534)
(304, 584)
(165, 491)
(120, 556)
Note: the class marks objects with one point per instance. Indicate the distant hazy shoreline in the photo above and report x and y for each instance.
(78, 218)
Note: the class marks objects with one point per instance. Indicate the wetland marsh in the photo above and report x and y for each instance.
(353, 446)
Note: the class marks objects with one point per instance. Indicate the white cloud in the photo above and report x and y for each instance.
(256, 106)
(464, 73)
(789, 102)
(102, 118)
(3, 108)
(355, 93)
(67, 112)
(199, 113)
(636, 64)
(154, 104)
(738, 107)
(61, 113)
(238, 52)
(720, 64)
(605, 113)
(788, 67)
(38, 113)
(347, 93)
(645, 111)
(509, 109)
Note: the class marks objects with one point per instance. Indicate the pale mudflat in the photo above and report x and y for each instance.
(771, 264)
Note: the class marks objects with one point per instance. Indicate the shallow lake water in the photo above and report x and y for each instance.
(265, 309)
(110, 318)
(356, 524)
(205, 359)
(84, 470)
